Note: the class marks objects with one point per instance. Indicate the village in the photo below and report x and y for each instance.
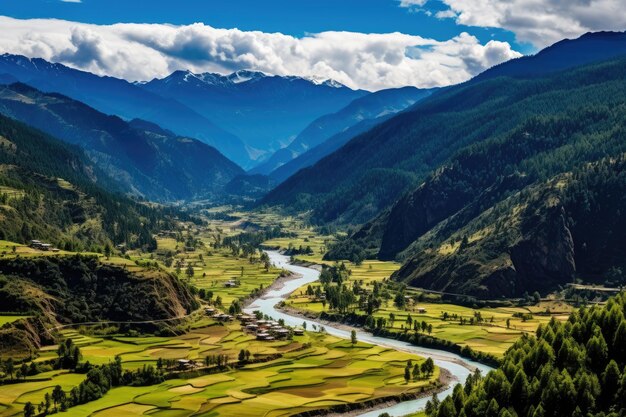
(263, 329)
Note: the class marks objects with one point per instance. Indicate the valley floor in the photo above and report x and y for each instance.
(312, 371)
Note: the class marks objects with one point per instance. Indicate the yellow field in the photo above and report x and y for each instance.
(316, 370)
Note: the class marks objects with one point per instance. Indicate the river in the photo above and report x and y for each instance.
(458, 366)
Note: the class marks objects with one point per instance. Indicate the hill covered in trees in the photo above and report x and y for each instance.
(51, 191)
(78, 289)
(545, 236)
(464, 228)
(146, 160)
(576, 368)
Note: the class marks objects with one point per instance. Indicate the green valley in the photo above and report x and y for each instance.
(263, 210)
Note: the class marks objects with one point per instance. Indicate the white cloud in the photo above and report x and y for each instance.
(71, 1)
(412, 3)
(145, 51)
(540, 22)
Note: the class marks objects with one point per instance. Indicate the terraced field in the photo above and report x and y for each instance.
(314, 371)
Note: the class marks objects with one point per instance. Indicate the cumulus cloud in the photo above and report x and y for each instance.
(539, 22)
(145, 51)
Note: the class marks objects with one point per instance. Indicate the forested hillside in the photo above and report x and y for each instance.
(401, 152)
(486, 222)
(543, 237)
(565, 54)
(576, 368)
(76, 289)
(50, 191)
(147, 161)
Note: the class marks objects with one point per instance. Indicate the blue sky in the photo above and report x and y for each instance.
(293, 17)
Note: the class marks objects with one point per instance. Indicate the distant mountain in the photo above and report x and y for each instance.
(310, 157)
(363, 110)
(266, 112)
(251, 186)
(371, 171)
(146, 159)
(119, 97)
(49, 190)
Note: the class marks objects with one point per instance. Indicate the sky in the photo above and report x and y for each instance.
(370, 44)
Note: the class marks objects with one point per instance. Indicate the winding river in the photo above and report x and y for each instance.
(458, 367)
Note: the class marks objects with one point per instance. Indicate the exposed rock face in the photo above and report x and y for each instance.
(545, 258)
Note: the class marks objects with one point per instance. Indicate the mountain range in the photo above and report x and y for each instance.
(145, 159)
(490, 188)
(50, 190)
(118, 97)
(440, 179)
(266, 112)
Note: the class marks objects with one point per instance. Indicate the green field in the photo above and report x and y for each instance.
(4, 319)
(219, 266)
(315, 371)
(491, 336)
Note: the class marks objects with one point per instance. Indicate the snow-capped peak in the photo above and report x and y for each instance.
(329, 82)
(243, 76)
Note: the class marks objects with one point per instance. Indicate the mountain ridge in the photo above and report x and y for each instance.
(411, 143)
(265, 111)
(115, 96)
(153, 163)
(375, 106)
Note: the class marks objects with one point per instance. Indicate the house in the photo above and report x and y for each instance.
(252, 327)
(184, 364)
(281, 333)
(37, 244)
(298, 332)
(224, 317)
(209, 311)
(230, 284)
(421, 310)
(245, 317)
